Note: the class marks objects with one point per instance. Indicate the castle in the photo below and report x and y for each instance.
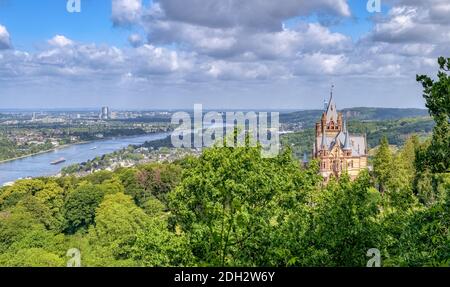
(336, 149)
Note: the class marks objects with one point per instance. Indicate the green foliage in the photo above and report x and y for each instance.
(117, 222)
(12, 195)
(80, 206)
(346, 222)
(157, 246)
(24, 241)
(229, 202)
(300, 142)
(437, 97)
(9, 149)
(383, 164)
(31, 257)
(157, 180)
(425, 238)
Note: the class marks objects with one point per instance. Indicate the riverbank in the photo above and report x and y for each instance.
(42, 152)
(69, 145)
(38, 164)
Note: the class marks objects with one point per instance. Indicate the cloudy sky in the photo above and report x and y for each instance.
(251, 54)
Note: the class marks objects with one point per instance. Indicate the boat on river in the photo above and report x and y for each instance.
(58, 161)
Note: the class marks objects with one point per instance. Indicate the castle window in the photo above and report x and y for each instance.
(350, 164)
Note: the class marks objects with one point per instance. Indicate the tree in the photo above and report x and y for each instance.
(344, 225)
(31, 257)
(399, 185)
(80, 206)
(15, 224)
(52, 197)
(158, 180)
(382, 164)
(125, 236)
(424, 241)
(12, 195)
(99, 176)
(117, 222)
(437, 97)
(407, 157)
(128, 178)
(230, 202)
(111, 186)
(156, 246)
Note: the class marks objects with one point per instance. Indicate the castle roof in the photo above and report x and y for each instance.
(347, 144)
(357, 143)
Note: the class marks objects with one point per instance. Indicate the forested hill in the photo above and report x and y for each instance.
(310, 117)
(378, 114)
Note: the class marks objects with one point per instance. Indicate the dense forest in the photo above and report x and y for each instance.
(231, 207)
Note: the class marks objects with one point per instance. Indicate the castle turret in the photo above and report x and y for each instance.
(324, 144)
(347, 145)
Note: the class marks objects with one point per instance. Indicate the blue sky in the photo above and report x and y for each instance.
(170, 53)
(31, 22)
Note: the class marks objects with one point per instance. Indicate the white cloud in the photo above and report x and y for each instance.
(223, 70)
(319, 64)
(305, 38)
(5, 40)
(60, 41)
(66, 59)
(410, 22)
(135, 40)
(150, 60)
(126, 12)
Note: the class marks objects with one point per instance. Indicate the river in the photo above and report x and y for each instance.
(39, 165)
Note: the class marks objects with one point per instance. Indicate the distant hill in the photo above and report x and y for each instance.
(380, 114)
(309, 117)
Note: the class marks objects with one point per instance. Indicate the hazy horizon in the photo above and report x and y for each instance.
(95, 109)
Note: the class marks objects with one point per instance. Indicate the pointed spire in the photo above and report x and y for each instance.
(330, 102)
(326, 104)
(331, 108)
(347, 145)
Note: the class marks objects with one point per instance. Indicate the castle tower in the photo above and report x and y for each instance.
(338, 151)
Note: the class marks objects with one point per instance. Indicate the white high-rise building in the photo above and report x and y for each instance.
(105, 114)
